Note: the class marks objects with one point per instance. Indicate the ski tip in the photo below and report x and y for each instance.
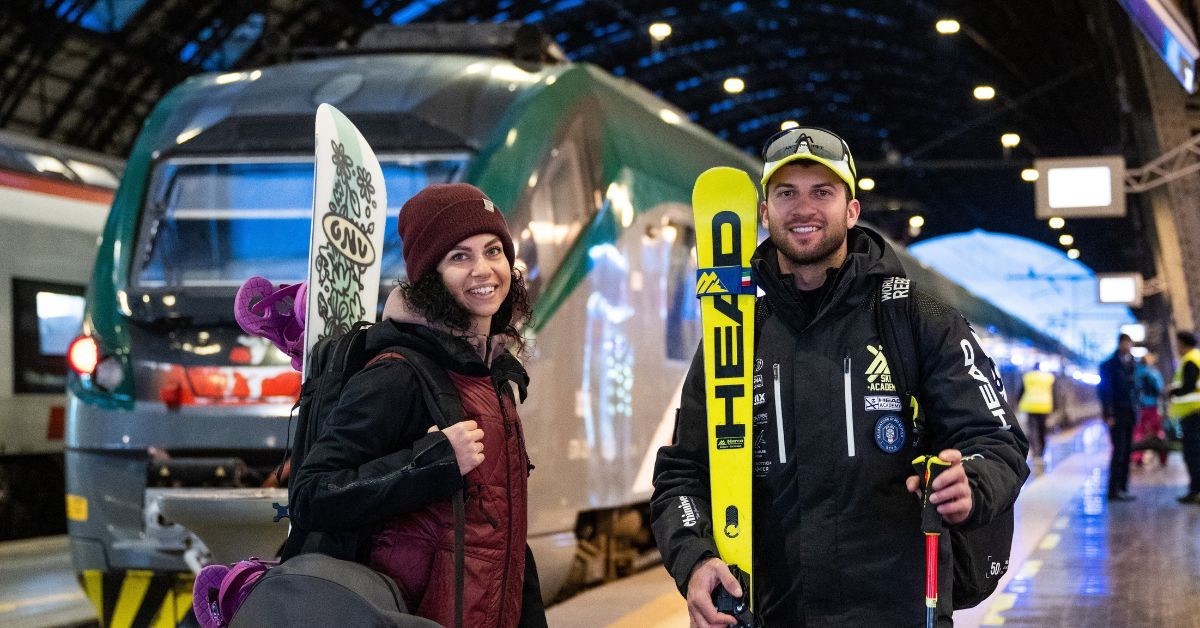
(725, 175)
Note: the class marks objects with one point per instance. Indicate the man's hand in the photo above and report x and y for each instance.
(951, 489)
(467, 440)
(705, 578)
(1109, 421)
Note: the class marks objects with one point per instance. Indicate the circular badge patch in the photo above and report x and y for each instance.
(889, 433)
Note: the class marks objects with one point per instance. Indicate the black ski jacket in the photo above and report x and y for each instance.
(837, 538)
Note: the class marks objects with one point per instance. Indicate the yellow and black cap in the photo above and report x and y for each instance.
(812, 143)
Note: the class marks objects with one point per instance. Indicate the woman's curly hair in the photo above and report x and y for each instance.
(430, 298)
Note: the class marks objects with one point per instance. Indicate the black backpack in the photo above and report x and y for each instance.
(980, 555)
(332, 361)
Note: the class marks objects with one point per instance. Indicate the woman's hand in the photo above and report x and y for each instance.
(467, 440)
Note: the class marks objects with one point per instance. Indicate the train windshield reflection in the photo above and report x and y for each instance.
(215, 223)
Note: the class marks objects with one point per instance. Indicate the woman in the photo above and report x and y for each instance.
(383, 474)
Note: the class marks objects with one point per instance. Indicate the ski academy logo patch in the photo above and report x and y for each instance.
(879, 376)
(886, 403)
(889, 433)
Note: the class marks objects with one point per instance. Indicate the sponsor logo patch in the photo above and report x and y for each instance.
(881, 403)
(889, 433)
(894, 288)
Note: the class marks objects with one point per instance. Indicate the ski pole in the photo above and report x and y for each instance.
(928, 468)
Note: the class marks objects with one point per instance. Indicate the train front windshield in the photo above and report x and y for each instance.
(212, 223)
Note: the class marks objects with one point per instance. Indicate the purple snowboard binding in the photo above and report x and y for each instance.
(276, 314)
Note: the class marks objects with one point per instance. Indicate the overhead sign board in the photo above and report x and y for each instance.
(1080, 187)
(1123, 288)
(1169, 34)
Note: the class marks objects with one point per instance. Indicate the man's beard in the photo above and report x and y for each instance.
(832, 238)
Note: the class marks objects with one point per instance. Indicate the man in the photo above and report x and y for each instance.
(837, 538)
(1037, 402)
(1118, 400)
(1185, 407)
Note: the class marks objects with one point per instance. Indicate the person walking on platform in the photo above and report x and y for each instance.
(1037, 402)
(1148, 433)
(1184, 405)
(1118, 400)
(837, 538)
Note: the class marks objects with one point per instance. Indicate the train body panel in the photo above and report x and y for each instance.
(50, 217)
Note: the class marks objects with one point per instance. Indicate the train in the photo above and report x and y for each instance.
(53, 202)
(594, 176)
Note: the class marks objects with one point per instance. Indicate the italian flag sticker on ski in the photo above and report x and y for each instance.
(725, 202)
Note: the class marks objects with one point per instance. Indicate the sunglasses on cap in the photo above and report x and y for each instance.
(810, 143)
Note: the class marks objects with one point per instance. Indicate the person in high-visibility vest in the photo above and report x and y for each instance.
(1037, 402)
(1185, 406)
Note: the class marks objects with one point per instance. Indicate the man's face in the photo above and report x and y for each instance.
(807, 214)
(1124, 346)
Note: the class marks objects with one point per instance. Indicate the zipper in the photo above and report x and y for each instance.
(849, 406)
(779, 416)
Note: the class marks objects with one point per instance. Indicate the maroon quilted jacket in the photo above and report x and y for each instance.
(417, 549)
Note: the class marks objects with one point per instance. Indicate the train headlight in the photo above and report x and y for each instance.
(109, 373)
(83, 355)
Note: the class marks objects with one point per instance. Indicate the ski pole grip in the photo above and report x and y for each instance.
(928, 468)
(737, 607)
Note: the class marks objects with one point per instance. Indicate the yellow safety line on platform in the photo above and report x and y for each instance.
(8, 607)
(665, 611)
(1000, 603)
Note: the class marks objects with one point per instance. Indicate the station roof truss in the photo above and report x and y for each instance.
(87, 72)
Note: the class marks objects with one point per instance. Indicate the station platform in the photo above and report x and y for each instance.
(1077, 559)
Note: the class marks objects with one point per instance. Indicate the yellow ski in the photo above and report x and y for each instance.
(724, 203)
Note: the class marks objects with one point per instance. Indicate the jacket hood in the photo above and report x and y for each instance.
(868, 256)
(396, 309)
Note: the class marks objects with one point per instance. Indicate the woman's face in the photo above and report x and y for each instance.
(478, 275)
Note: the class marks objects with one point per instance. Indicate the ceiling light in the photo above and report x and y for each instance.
(1073, 253)
(1029, 174)
(916, 222)
(1056, 222)
(1066, 239)
(1010, 140)
(734, 85)
(947, 27)
(670, 117)
(984, 92)
(788, 124)
(660, 31)
(866, 184)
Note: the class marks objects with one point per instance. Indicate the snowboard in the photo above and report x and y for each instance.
(724, 204)
(346, 241)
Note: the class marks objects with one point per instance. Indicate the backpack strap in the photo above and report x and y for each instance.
(894, 318)
(443, 401)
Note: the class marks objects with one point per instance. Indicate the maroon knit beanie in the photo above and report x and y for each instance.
(442, 215)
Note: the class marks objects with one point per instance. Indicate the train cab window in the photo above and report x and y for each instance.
(683, 309)
(46, 317)
(557, 208)
(217, 223)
